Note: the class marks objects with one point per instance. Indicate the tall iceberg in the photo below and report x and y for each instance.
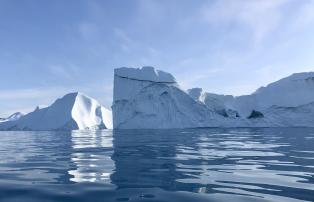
(149, 98)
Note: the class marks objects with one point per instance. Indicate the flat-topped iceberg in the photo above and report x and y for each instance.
(71, 112)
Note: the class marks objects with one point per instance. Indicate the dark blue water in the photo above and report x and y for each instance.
(158, 165)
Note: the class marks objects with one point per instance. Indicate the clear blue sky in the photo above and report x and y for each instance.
(49, 48)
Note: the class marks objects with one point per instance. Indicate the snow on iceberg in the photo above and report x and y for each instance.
(72, 111)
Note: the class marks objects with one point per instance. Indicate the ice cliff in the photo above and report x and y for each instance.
(71, 112)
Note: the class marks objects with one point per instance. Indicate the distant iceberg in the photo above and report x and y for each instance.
(12, 117)
(71, 112)
(149, 98)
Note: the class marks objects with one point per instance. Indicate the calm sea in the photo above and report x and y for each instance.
(235, 165)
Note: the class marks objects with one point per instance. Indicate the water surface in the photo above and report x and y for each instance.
(158, 165)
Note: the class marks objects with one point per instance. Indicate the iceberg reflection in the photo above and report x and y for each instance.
(91, 156)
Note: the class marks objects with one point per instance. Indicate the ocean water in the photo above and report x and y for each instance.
(242, 165)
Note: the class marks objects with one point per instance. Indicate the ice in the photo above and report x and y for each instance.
(12, 117)
(72, 111)
(145, 99)
(152, 103)
(145, 74)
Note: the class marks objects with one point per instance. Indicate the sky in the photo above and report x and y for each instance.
(50, 48)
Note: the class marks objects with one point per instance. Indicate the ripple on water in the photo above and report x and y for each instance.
(158, 165)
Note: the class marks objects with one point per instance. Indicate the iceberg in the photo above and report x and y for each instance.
(293, 91)
(12, 117)
(71, 112)
(149, 98)
(146, 98)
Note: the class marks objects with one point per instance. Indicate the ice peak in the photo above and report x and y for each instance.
(72, 94)
(146, 73)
